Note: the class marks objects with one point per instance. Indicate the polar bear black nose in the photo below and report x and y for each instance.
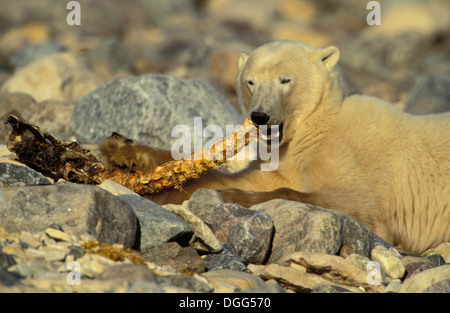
(259, 118)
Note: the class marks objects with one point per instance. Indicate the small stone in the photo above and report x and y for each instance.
(57, 234)
(322, 288)
(237, 279)
(92, 264)
(225, 259)
(184, 260)
(293, 279)
(14, 250)
(202, 203)
(193, 283)
(157, 225)
(437, 259)
(7, 279)
(393, 286)
(6, 260)
(414, 268)
(331, 267)
(128, 273)
(203, 238)
(29, 239)
(389, 260)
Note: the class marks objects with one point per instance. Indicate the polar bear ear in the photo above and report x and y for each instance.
(329, 56)
(242, 59)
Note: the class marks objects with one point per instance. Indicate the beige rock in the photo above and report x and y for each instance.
(256, 14)
(57, 234)
(421, 17)
(56, 76)
(297, 10)
(115, 188)
(294, 279)
(302, 33)
(443, 249)
(30, 33)
(93, 264)
(422, 280)
(15, 251)
(390, 261)
(331, 267)
(226, 280)
(29, 239)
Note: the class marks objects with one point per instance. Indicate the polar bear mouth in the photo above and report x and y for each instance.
(270, 134)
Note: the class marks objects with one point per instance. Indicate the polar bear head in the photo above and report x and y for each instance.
(285, 81)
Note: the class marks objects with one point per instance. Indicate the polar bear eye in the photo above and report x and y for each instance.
(284, 80)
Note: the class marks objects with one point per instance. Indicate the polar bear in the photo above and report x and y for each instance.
(357, 154)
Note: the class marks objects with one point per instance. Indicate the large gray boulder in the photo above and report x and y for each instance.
(146, 108)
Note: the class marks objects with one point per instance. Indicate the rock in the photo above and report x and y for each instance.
(7, 279)
(15, 103)
(395, 58)
(303, 227)
(184, 260)
(65, 79)
(156, 224)
(423, 280)
(13, 173)
(442, 249)
(293, 279)
(389, 260)
(226, 279)
(57, 234)
(108, 58)
(429, 18)
(32, 52)
(128, 273)
(79, 209)
(429, 94)
(414, 268)
(147, 107)
(248, 232)
(6, 260)
(18, 37)
(440, 287)
(243, 13)
(202, 203)
(436, 259)
(203, 239)
(52, 116)
(300, 227)
(297, 31)
(227, 258)
(321, 288)
(194, 283)
(270, 286)
(297, 10)
(331, 267)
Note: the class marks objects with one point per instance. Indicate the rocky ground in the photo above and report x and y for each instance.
(139, 67)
